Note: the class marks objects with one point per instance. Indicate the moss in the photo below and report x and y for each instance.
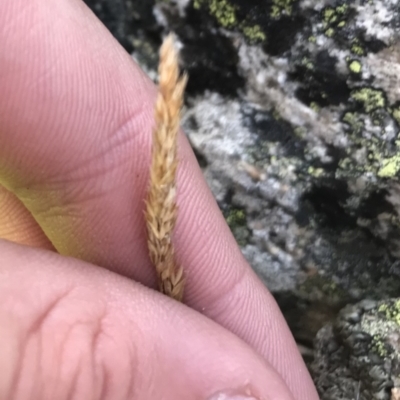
(370, 98)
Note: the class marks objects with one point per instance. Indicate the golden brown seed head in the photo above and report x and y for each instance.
(161, 208)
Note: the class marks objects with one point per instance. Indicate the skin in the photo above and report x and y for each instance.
(78, 314)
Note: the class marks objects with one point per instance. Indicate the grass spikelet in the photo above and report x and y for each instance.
(161, 208)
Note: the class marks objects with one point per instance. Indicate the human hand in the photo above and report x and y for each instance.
(75, 127)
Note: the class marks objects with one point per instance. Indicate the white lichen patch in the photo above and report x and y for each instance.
(265, 88)
(385, 68)
(219, 130)
(275, 268)
(375, 16)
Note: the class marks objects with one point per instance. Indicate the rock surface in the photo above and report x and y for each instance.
(359, 355)
(293, 110)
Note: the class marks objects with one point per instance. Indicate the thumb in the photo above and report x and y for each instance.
(73, 330)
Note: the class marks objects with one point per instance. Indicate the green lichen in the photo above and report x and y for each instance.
(300, 132)
(342, 9)
(329, 15)
(378, 346)
(318, 285)
(345, 164)
(396, 113)
(390, 167)
(354, 66)
(306, 62)
(281, 7)
(314, 106)
(333, 18)
(312, 39)
(380, 323)
(316, 172)
(329, 32)
(222, 10)
(380, 159)
(197, 4)
(237, 222)
(253, 33)
(391, 311)
(356, 48)
(370, 98)
(225, 13)
(236, 217)
(355, 121)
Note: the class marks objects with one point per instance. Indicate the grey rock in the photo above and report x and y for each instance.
(358, 355)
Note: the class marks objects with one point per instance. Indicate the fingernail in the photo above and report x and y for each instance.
(230, 395)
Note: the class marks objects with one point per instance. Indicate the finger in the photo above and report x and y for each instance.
(72, 330)
(17, 224)
(74, 131)
(75, 126)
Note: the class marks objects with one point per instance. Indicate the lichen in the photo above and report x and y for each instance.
(379, 323)
(253, 33)
(390, 167)
(307, 63)
(354, 66)
(370, 98)
(237, 222)
(355, 121)
(281, 7)
(378, 346)
(316, 172)
(356, 48)
(396, 113)
(391, 311)
(318, 285)
(381, 158)
(334, 18)
(312, 39)
(225, 13)
(314, 106)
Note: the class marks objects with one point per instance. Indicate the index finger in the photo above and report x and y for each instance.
(75, 125)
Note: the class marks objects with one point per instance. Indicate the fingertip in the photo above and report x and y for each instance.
(108, 337)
